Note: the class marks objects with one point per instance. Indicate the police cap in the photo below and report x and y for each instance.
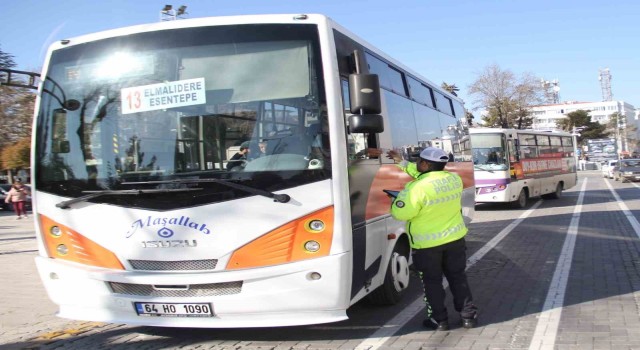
(433, 154)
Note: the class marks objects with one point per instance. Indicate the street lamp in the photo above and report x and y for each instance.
(575, 133)
(621, 133)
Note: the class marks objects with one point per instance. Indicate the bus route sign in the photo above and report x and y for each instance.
(162, 96)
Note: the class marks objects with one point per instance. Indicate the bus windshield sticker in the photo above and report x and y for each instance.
(162, 96)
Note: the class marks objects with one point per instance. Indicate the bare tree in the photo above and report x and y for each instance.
(527, 92)
(505, 97)
(494, 88)
(16, 115)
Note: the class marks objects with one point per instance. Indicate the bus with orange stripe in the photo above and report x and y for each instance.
(227, 171)
(513, 165)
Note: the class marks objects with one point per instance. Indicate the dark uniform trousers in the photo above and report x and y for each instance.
(449, 260)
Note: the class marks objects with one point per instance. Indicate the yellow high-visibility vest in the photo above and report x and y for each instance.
(409, 168)
(432, 207)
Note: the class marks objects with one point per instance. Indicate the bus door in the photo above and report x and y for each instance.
(513, 158)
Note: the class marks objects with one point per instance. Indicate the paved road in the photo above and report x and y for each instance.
(559, 274)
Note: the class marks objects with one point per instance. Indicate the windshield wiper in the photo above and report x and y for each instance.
(479, 166)
(95, 194)
(280, 198)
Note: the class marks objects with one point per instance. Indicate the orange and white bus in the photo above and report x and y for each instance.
(141, 221)
(513, 165)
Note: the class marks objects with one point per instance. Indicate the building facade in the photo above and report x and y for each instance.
(548, 117)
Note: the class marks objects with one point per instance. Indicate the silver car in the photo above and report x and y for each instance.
(4, 189)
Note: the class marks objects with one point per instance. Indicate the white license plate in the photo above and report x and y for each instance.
(174, 309)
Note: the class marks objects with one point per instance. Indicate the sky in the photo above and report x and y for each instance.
(442, 40)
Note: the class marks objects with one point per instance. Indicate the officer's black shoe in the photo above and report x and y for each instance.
(470, 322)
(435, 325)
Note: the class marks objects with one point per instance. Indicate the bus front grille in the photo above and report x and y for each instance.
(180, 265)
(192, 290)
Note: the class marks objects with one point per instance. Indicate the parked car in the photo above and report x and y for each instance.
(4, 189)
(608, 167)
(628, 170)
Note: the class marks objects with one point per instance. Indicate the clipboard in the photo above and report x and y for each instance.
(391, 193)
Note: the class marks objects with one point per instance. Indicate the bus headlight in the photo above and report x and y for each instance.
(63, 242)
(316, 225)
(62, 249)
(55, 231)
(308, 237)
(312, 246)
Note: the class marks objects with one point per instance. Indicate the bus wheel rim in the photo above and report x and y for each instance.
(400, 271)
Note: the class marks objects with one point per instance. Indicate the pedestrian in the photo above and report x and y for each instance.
(432, 208)
(583, 162)
(17, 196)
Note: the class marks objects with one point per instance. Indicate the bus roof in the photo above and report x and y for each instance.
(318, 19)
(518, 131)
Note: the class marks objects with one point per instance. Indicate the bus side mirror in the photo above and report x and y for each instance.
(368, 123)
(364, 93)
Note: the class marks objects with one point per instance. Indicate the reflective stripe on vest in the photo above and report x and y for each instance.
(417, 237)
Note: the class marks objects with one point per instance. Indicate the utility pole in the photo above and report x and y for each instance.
(551, 90)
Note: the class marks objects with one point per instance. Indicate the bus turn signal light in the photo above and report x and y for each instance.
(67, 244)
(305, 238)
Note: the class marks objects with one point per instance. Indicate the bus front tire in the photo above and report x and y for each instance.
(396, 279)
(554, 195)
(521, 202)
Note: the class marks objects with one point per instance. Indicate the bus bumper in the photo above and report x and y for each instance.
(280, 295)
(493, 197)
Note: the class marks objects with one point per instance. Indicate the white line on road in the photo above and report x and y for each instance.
(632, 219)
(544, 337)
(378, 338)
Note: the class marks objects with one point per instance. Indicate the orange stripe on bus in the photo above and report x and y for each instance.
(391, 177)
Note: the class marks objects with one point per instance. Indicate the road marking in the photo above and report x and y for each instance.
(544, 337)
(632, 219)
(378, 338)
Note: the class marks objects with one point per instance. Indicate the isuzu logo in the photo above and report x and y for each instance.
(178, 243)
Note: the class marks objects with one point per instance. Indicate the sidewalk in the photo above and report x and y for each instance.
(18, 248)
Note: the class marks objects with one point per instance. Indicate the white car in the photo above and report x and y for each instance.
(608, 168)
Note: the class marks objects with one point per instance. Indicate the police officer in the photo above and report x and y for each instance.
(431, 206)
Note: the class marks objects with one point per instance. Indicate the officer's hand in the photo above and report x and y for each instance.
(393, 154)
